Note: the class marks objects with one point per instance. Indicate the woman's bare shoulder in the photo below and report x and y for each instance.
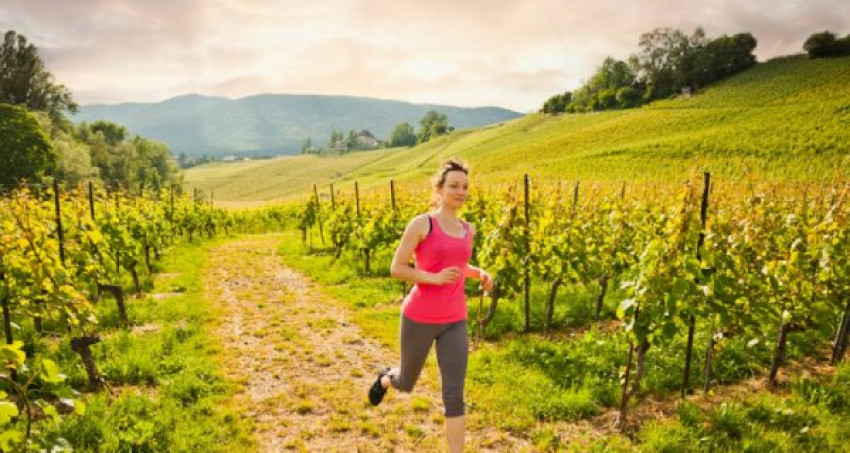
(419, 223)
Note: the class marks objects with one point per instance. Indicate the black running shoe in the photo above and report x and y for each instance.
(377, 391)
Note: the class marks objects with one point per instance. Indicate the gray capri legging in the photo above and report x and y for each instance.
(452, 356)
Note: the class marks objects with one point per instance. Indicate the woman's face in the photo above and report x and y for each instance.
(455, 189)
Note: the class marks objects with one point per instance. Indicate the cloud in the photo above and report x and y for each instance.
(513, 53)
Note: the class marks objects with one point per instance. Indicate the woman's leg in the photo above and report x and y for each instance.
(452, 356)
(455, 433)
(415, 342)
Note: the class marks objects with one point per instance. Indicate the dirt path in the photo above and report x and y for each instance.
(304, 369)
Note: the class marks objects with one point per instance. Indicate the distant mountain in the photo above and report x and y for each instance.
(272, 124)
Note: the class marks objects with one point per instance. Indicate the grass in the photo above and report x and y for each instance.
(530, 385)
(766, 422)
(235, 183)
(783, 120)
(171, 395)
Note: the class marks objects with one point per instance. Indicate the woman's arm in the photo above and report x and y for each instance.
(415, 232)
(473, 272)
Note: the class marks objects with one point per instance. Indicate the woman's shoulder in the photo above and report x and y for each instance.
(420, 222)
(421, 218)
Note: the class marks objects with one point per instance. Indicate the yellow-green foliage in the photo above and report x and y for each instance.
(784, 120)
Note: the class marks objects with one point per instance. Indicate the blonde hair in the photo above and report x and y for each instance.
(439, 178)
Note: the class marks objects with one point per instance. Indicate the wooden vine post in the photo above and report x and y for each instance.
(692, 319)
(527, 280)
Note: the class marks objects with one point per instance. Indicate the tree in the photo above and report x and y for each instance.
(351, 141)
(402, 135)
(724, 56)
(25, 152)
(337, 142)
(155, 166)
(127, 162)
(123, 164)
(113, 133)
(24, 80)
(306, 145)
(827, 45)
(612, 74)
(98, 150)
(600, 93)
(628, 97)
(74, 161)
(557, 103)
(664, 60)
(432, 125)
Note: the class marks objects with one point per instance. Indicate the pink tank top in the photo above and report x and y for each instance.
(440, 304)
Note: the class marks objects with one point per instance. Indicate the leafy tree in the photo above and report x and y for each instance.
(74, 161)
(432, 125)
(600, 93)
(663, 61)
(826, 45)
(130, 162)
(351, 141)
(306, 145)
(722, 57)
(402, 135)
(24, 80)
(122, 165)
(113, 133)
(155, 167)
(612, 74)
(337, 142)
(98, 150)
(557, 103)
(25, 151)
(628, 96)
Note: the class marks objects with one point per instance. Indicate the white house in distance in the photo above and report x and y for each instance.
(365, 139)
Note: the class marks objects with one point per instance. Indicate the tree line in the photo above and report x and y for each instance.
(432, 125)
(827, 45)
(340, 143)
(37, 140)
(667, 61)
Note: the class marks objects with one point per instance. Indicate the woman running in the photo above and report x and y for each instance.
(435, 309)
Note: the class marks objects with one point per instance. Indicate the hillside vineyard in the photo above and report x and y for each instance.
(754, 262)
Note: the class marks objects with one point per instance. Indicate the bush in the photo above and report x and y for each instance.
(827, 45)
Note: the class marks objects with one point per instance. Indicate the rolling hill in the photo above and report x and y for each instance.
(784, 120)
(271, 124)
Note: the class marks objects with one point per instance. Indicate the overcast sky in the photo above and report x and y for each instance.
(508, 53)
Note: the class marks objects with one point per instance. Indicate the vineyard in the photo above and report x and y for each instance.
(70, 263)
(609, 298)
(634, 308)
(665, 249)
(660, 289)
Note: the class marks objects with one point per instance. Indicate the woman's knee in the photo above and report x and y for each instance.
(402, 385)
(454, 407)
(405, 387)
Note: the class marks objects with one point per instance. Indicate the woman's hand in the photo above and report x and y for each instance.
(446, 276)
(486, 281)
